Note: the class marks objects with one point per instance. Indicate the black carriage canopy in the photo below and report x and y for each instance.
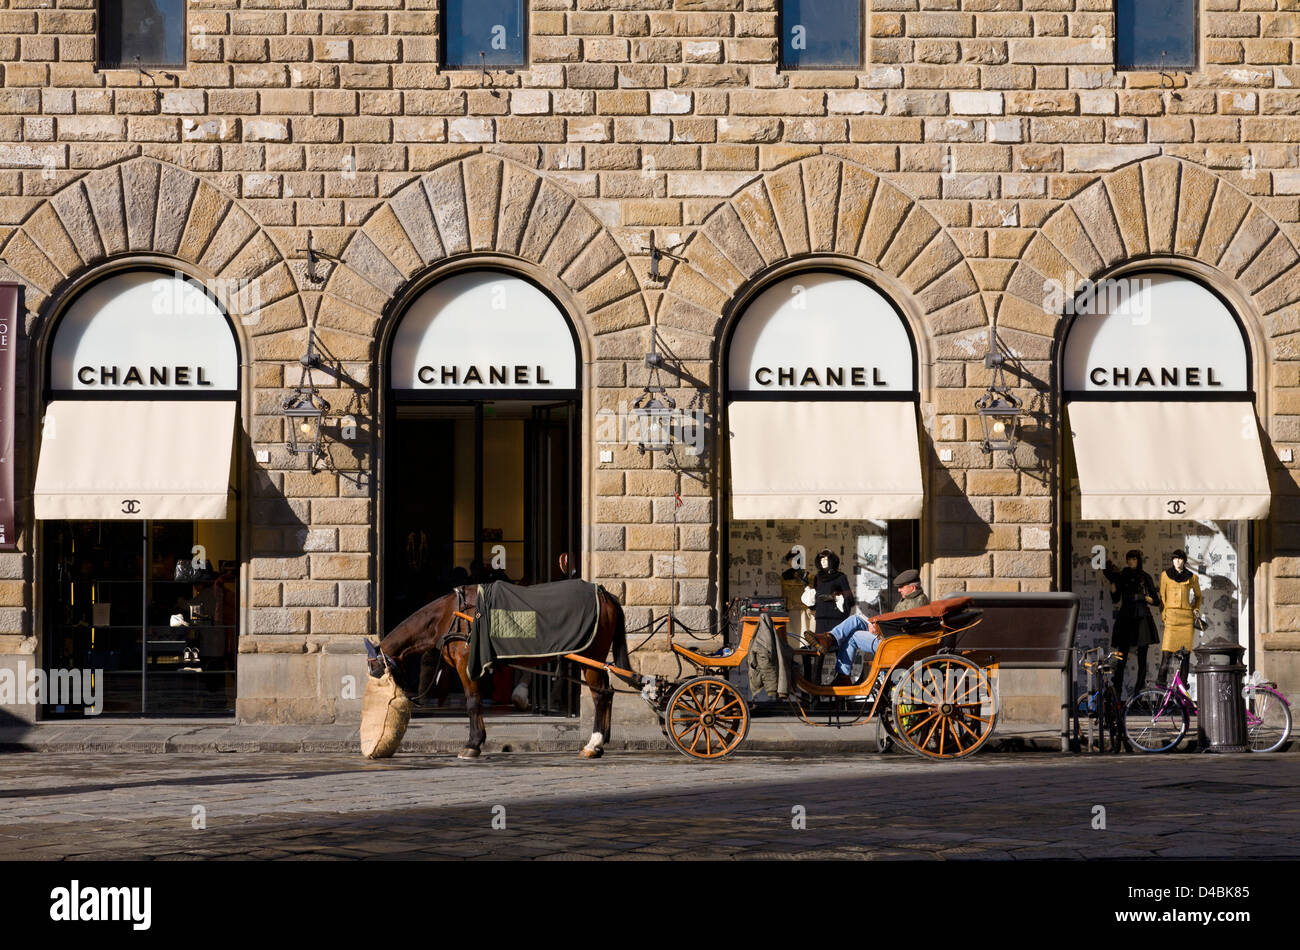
(514, 622)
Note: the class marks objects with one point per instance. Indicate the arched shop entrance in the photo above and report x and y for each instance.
(135, 492)
(1164, 450)
(481, 461)
(822, 428)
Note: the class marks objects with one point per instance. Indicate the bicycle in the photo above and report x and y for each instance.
(1156, 720)
(1268, 715)
(1100, 705)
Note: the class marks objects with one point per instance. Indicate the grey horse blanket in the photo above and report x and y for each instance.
(542, 620)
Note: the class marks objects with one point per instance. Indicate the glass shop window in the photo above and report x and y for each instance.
(1217, 552)
(152, 607)
(483, 32)
(821, 34)
(870, 553)
(141, 32)
(1150, 34)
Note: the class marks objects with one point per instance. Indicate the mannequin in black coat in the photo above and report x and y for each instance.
(1133, 593)
(829, 582)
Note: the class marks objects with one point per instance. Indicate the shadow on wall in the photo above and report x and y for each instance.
(962, 530)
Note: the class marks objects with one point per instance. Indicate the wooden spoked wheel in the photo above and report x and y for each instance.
(706, 718)
(944, 707)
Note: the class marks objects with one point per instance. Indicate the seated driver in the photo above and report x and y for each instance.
(856, 632)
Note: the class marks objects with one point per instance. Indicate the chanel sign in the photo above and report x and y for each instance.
(820, 332)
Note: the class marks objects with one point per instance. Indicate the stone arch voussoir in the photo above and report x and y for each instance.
(150, 207)
(1164, 207)
(487, 205)
(821, 205)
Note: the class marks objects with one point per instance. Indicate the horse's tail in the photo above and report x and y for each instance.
(619, 641)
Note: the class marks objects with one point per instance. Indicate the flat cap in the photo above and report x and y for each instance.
(907, 577)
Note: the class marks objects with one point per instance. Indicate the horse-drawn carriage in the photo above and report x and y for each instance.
(929, 695)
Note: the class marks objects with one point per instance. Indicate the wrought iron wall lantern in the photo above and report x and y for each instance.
(999, 408)
(660, 424)
(304, 409)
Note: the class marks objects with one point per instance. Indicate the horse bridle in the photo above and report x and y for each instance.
(454, 631)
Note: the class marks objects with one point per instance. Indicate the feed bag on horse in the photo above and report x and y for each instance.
(385, 714)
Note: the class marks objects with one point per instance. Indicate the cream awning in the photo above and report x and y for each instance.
(135, 460)
(1153, 461)
(832, 459)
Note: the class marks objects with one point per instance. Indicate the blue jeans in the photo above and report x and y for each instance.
(853, 634)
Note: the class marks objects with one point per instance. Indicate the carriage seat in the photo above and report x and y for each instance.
(951, 613)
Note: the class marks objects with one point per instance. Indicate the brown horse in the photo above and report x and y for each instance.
(436, 626)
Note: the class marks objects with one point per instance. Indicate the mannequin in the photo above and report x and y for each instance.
(1132, 591)
(793, 581)
(1180, 593)
(834, 594)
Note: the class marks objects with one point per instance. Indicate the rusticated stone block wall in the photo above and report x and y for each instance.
(986, 146)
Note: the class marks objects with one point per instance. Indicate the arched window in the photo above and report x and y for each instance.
(1164, 450)
(135, 492)
(822, 437)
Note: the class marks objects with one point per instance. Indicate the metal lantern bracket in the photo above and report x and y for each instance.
(654, 408)
(657, 412)
(999, 408)
(305, 408)
(313, 255)
(656, 255)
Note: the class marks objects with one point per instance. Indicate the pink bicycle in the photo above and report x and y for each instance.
(1156, 720)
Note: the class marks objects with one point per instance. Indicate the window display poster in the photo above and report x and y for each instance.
(8, 381)
(757, 549)
(1213, 552)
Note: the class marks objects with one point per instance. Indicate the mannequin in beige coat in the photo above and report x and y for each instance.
(1180, 595)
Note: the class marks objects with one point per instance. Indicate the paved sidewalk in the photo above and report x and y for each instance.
(659, 805)
(429, 735)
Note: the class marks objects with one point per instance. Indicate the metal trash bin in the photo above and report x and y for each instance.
(1221, 710)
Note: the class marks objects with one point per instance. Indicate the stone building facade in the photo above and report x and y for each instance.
(986, 149)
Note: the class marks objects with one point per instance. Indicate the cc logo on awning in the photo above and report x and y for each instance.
(828, 505)
(1177, 506)
(130, 506)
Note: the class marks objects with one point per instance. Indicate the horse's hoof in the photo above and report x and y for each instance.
(592, 753)
(467, 753)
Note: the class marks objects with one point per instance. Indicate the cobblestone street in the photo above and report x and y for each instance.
(646, 805)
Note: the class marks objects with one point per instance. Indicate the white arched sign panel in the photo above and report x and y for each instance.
(1153, 332)
(820, 332)
(484, 330)
(144, 331)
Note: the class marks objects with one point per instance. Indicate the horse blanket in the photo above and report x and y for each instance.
(542, 620)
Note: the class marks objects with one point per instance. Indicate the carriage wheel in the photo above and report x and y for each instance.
(706, 718)
(944, 707)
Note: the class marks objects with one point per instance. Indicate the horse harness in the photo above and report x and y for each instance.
(461, 621)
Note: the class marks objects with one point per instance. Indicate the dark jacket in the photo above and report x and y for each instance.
(1134, 625)
(828, 583)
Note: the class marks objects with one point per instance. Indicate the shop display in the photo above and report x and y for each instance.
(1213, 551)
(175, 622)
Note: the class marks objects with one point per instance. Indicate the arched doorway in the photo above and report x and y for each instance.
(482, 462)
(1164, 451)
(136, 494)
(823, 440)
